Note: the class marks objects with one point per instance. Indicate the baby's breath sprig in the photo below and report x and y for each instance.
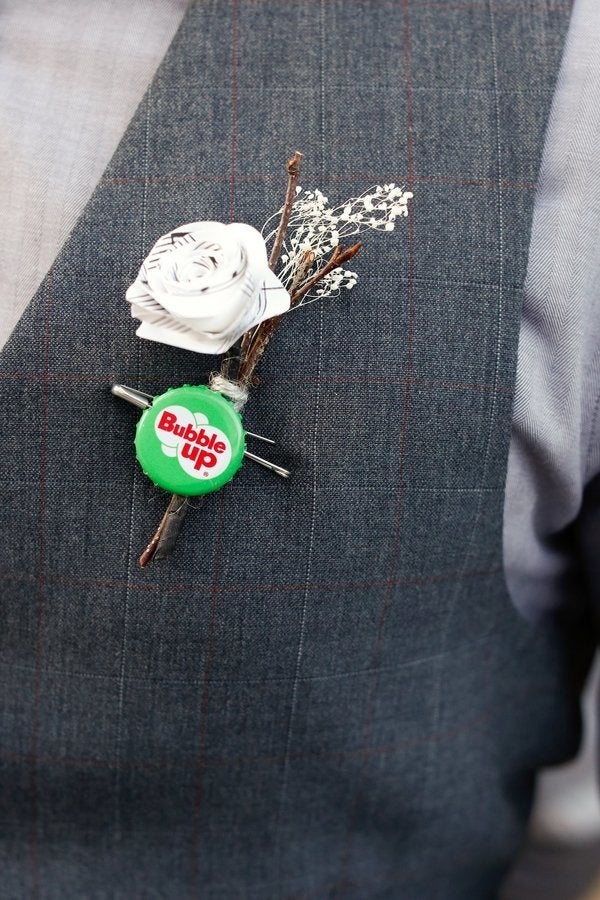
(307, 242)
(315, 227)
(308, 271)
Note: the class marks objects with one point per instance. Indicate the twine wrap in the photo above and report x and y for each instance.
(233, 390)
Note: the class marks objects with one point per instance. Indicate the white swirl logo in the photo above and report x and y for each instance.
(203, 285)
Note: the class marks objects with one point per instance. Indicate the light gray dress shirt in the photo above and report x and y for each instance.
(555, 446)
(72, 73)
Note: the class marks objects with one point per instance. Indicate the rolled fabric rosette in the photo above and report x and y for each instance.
(203, 285)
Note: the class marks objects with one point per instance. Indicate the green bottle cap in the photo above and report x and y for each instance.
(190, 441)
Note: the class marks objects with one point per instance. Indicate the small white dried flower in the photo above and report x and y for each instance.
(316, 227)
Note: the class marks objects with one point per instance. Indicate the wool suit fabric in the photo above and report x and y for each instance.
(326, 691)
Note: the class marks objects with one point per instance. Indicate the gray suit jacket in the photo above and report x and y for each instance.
(326, 691)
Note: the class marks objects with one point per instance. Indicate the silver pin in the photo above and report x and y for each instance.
(259, 437)
(144, 401)
(278, 470)
(137, 398)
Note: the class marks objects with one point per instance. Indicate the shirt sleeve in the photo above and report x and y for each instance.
(554, 457)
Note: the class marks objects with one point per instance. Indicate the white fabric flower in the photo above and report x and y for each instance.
(203, 285)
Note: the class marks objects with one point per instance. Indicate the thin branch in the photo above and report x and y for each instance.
(166, 534)
(293, 171)
(337, 259)
(267, 328)
(304, 265)
(246, 342)
(255, 352)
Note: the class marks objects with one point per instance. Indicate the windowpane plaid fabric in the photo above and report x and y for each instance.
(326, 691)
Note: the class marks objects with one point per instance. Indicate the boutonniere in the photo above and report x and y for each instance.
(214, 288)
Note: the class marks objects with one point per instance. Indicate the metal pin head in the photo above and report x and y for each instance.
(137, 398)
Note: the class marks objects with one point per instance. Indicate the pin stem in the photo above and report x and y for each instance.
(259, 437)
(278, 470)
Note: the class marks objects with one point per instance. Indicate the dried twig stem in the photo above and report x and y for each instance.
(266, 330)
(259, 344)
(165, 536)
(293, 171)
(261, 335)
(339, 256)
(304, 265)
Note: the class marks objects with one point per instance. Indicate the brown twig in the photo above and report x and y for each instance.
(262, 333)
(166, 534)
(339, 256)
(293, 171)
(267, 328)
(250, 361)
(304, 265)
